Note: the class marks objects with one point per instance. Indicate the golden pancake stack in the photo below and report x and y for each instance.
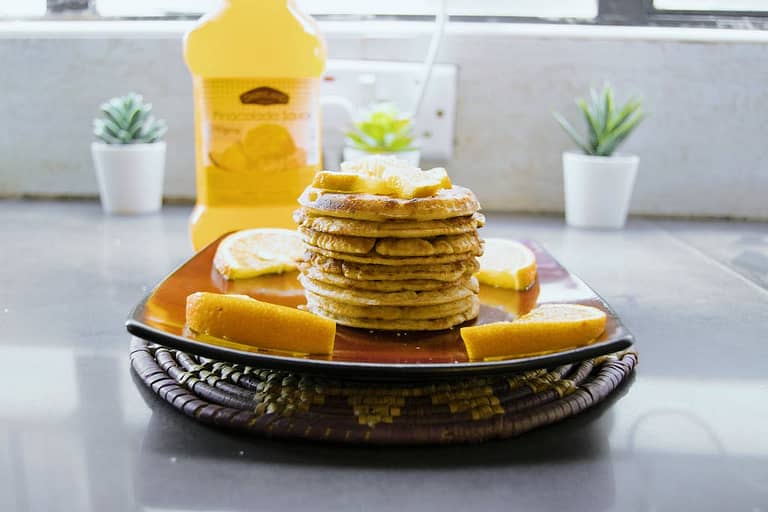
(385, 262)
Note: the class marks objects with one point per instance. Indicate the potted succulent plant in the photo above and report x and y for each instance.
(598, 181)
(383, 130)
(129, 156)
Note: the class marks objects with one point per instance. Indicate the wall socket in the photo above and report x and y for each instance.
(365, 81)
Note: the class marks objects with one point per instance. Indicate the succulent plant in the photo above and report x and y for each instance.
(128, 120)
(383, 129)
(607, 127)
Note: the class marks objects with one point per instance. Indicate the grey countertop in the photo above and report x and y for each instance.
(78, 432)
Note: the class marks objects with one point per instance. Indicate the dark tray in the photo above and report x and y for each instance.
(364, 354)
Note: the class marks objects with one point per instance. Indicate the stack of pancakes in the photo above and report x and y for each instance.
(380, 262)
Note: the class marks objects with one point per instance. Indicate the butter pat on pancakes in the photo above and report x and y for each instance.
(382, 175)
(548, 328)
(245, 320)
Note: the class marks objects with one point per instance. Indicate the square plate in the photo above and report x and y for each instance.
(362, 353)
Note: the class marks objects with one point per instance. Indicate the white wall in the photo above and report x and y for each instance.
(702, 147)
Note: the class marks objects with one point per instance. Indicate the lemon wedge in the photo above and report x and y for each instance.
(507, 264)
(255, 252)
(242, 319)
(548, 328)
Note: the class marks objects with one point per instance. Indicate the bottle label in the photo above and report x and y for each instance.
(258, 139)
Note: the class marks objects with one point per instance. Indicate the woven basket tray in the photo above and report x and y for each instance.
(283, 404)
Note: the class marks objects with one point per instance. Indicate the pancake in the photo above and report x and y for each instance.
(445, 204)
(391, 228)
(338, 243)
(393, 285)
(448, 272)
(375, 259)
(431, 312)
(402, 298)
(407, 247)
(398, 247)
(402, 324)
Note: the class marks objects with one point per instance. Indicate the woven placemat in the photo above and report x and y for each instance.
(287, 405)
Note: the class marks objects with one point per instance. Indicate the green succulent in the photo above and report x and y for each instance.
(128, 120)
(607, 126)
(383, 129)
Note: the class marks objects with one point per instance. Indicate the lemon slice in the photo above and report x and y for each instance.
(548, 328)
(255, 252)
(242, 319)
(507, 264)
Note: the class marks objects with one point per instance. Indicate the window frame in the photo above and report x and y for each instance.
(609, 12)
(645, 13)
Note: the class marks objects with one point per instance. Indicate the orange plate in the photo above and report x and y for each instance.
(362, 353)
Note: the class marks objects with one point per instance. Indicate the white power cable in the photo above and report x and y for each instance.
(441, 18)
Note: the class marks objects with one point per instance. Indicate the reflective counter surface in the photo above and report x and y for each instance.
(79, 433)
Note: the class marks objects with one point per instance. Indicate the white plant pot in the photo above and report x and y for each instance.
(130, 176)
(598, 189)
(413, 156)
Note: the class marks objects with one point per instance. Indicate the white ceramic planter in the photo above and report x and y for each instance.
(598, 189)
(413, 156)
(130, 176)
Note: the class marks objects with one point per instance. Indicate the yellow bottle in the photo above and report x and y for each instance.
(256, 67)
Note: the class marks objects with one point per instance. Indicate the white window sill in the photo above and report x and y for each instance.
(154, 29)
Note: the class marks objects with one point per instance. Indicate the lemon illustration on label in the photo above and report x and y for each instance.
(231, 159)
(267, 141)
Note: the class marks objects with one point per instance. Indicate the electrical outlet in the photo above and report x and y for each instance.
(361, 82)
